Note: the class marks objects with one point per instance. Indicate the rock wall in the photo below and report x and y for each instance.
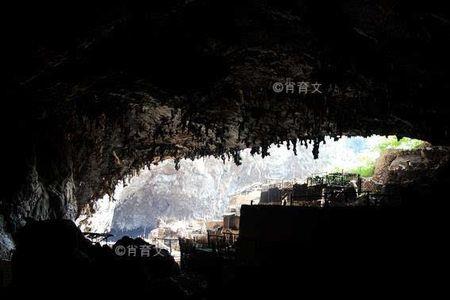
(97, 91)
(205, 188)
(409, 166)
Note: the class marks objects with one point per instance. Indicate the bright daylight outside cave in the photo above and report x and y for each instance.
(162, 204)
(224, 149)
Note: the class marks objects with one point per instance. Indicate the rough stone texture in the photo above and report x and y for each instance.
(96, 91)
(419, 176)
(206, 188)
(405, 167)
(6, 242)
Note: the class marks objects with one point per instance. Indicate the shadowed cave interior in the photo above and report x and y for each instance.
(99, 93)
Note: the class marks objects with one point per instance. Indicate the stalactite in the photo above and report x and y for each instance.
(316, 150)
(294, 148)
(177, 163)
(264, 150)
(255, 150)
(237, 157)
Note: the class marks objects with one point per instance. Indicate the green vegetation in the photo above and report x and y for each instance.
(404, 143)
(367, 166)
(365, 170)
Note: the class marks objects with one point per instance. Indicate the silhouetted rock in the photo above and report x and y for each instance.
(52, 256)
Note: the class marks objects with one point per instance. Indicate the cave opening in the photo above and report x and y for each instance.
(188, 116)
(189, 198)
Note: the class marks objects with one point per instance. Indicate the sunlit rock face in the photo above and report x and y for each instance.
(6, 241)
(406, 167)
(202, 188)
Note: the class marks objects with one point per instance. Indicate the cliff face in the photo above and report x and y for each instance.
(200, 189)
(203, 189)
(425, 165)
(97, 91)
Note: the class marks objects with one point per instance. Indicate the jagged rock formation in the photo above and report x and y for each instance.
(418, 174)
(410, 166)
(97, 91)
(203, 189)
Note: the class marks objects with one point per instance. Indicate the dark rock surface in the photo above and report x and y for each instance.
(53, 256)
(97, 91)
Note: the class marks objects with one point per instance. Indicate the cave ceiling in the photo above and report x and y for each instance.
(97, 91)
